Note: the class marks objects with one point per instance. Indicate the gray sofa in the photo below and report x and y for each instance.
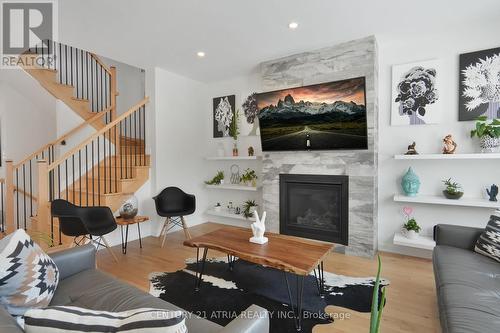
(467, 283)
(81, 284)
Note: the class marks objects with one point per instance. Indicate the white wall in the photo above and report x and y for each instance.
(181, 138)
(474, 175)
(27, 114)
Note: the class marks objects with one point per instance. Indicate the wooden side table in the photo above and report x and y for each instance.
(122, 222)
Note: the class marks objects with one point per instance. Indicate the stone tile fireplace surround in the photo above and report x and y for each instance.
(347, 60)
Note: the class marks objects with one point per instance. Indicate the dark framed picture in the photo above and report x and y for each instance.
(479, 88)
(223, 113)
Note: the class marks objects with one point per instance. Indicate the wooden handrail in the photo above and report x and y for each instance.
(2, 180)
(96, 134)
(99, 61)
(23, 192)
(63, 137)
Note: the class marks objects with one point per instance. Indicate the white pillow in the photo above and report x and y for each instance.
(28, 276)
(63, 319)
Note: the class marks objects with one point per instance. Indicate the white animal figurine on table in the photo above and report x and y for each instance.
(258, 229)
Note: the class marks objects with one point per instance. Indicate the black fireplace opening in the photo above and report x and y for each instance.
(315, 207)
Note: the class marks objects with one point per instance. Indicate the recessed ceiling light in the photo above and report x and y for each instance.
(293, 25)
(200, 54)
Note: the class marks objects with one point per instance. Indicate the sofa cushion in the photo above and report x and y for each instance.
(59, 319)
(468, 286)
(488, 243)
(93, 289)
(28, 276)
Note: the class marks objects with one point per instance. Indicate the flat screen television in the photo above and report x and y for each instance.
(324, 116)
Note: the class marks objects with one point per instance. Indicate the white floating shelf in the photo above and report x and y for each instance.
(233, 158)
(478, 156)
(422, 242)
(234, 187)
(440, 200)
(225, 213)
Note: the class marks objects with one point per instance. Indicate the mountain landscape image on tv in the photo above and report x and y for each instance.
(323, 116)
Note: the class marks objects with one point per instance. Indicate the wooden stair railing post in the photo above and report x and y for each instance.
(43, 215)
(9, 197)
(114, 93)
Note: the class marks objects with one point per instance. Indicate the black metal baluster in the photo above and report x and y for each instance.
(105, 158)
(25, 212)
(121, 149)
(93, 179)
(76, 72)
(59, 181)
(144, 132)
(67, 186)
(60, 63)
(92, 83)
(101, 88)
(2, 203)
(87, 173)
(96, 85)
(110, 161)
(141, 160)
(135, 138)
(31, 190)
(17, 198)
(98, 172)
(87, 73)
(73, 181)
(66, 64)
(80, 173)
(116, 159)
(71, 63)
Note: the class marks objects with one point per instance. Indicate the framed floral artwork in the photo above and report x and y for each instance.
(223, 113)
(479, 85)
(415, 93)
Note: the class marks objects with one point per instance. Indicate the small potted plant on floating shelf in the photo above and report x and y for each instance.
(453, 189)
(249, 178)
(248, 208)
(488, 134)
(217, 180)
(412, 228)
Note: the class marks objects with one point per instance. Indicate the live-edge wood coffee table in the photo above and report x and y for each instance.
(286, 253)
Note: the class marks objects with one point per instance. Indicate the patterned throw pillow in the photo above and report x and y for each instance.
(70, 319)
(28, 276)
(488, 243)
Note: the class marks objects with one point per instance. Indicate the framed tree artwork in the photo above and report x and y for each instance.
(223, 113)
(479, 85)
(415, 93)
(250, 122)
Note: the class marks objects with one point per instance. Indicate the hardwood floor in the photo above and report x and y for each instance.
(411, 301)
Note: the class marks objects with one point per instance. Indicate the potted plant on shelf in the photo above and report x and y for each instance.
(218, 179)
(248, 208)
(488, 134)
(453, 189)
(234, 131)
(249, 178)
(411, 228)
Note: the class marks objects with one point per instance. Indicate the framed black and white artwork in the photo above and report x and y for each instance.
(250, 121)
(415, 93)
(479, 85)
(223, 113)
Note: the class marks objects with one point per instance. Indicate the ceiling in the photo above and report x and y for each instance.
(237, 35)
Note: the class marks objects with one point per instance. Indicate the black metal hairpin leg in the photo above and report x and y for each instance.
(320, 280)
(297, 311)
(124, 243)
(139, 231)
(230, 260)
(199, 272)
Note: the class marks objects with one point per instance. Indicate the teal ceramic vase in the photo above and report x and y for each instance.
(410, 183)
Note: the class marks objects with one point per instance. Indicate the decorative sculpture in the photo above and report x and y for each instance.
(410, 183)
(411, 149)
(450, 146)
(493, 192)
(258, 229)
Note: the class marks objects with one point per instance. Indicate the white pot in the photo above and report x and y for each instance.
(411, 234)
(489, 144)
(217, 208)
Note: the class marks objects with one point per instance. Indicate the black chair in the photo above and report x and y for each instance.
(173, 204)
(89, 223)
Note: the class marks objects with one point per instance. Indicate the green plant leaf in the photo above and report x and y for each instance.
(375, 312)
(380, 310)
(482, 118)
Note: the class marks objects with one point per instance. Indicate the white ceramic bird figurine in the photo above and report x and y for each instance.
(258, 229)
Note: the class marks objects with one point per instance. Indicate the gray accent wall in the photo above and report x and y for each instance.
(347, 60)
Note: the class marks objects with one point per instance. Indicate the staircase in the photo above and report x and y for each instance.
(102, 170)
